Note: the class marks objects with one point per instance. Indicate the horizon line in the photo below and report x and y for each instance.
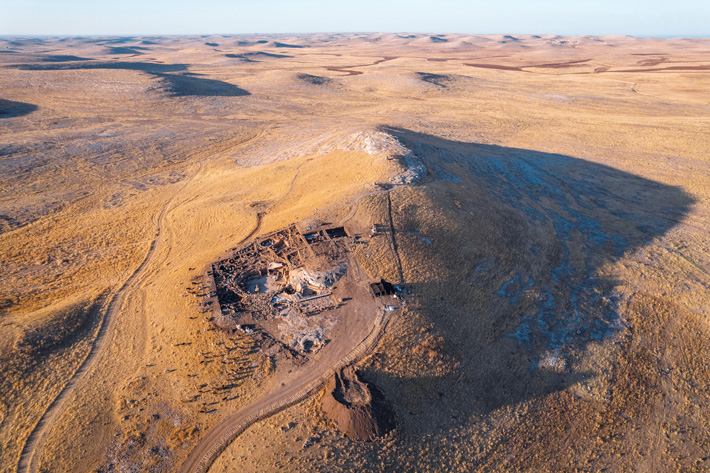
(141, 35)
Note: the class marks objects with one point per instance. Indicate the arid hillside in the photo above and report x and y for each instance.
(354, 252)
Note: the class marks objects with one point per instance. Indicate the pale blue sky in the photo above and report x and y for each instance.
(570, 17)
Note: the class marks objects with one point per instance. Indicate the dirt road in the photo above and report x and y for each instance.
(311, 379)
(29, 457)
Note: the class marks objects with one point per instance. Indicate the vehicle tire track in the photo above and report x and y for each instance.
(212, 445)
(27, 462)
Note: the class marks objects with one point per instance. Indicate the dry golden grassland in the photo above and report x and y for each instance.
(555, 255)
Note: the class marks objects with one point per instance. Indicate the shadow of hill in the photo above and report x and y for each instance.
(64, 58)
(103, 41)
(127, 50)
(438, 80)
(27, 42)
(315, 80)
(251, 43)
(128, 66)
(10, 109)
(286, 45)
(253, 56)
(179, 85)
(121, 40)
(507, 254)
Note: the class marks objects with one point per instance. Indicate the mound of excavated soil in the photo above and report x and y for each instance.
(358, 408)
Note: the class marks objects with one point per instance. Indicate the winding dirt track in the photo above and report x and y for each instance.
(348, 69)
(214, 443)
(29, 457)
(209, 448)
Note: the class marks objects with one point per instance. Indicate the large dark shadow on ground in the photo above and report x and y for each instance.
(177, 85)
(127, 50)
(63, 58)
(122, 40)
(107, 40)
(286, 45)
(256, 55)
(11, 109)
(128, 66)
(513, 281)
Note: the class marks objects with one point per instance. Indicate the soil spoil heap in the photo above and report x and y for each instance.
(357, 407)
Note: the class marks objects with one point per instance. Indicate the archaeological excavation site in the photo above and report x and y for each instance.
(289, 288)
